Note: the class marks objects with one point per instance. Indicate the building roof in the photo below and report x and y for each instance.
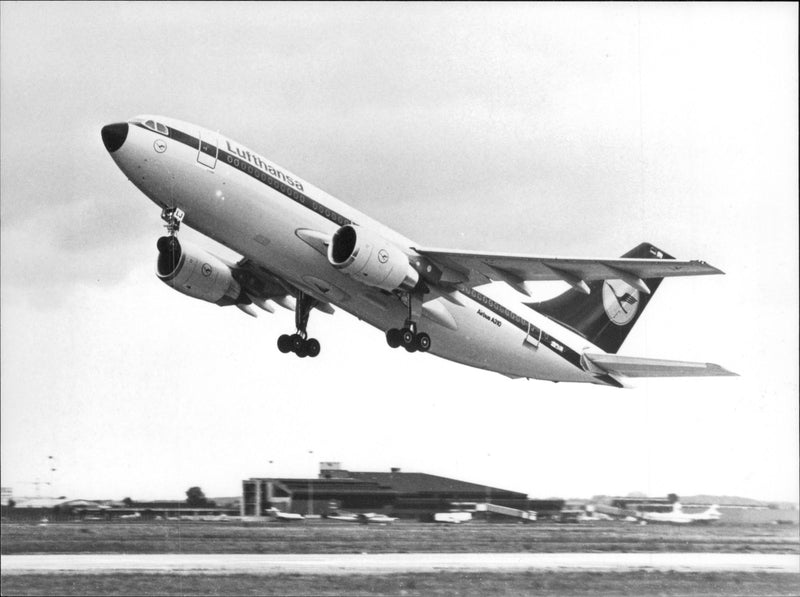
(44, 502)
(423, 483)
(330, 487)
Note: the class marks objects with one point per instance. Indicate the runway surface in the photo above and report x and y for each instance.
(388, 563)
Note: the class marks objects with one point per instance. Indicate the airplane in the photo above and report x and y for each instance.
(284, 516)
(364, 518)
(678, 516)
(303, 249)
(372, 518)
(452, 517)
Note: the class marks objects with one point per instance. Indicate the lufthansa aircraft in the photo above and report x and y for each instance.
(304, 249)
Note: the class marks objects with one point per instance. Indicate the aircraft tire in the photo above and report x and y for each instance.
(409, 339)
(423, 342)
(394, 337)
(312, 347)
(285, 343)
(297, 342)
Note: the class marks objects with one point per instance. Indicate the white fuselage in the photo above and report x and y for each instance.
(256, 208)
(678, 516)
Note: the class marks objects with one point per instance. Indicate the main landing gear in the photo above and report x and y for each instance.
(408, 337)
(299, 342)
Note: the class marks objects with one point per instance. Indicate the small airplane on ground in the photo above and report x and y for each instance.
(284, 516)
(372, 518)
(365, 518)
(304, 250)
(452, 517)
(678, 516)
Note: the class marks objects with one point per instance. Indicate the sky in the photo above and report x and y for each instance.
(552, 129)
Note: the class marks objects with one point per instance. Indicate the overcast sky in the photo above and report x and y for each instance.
(556, 129)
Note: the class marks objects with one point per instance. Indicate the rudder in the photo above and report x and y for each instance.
(609, 312)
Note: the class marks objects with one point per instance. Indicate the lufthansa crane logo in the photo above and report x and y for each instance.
(620, 301)
(383, 256)
(160, 145)
(206, 269)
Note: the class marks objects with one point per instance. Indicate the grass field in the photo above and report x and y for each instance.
(401, 537)
(541, 584)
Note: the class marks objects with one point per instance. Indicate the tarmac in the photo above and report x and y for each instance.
(267, 564)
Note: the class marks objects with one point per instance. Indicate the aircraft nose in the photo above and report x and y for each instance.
(114, 135)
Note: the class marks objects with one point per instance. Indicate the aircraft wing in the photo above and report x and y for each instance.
(258, 281)
(475, 268)
(614, 364)
(261, 285)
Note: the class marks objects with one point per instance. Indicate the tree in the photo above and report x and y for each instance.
(672, 497)
(128, 502)
(196, 497)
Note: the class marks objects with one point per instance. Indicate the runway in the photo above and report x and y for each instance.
(267, 564)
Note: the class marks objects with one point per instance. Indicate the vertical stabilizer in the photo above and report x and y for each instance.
(608, 313)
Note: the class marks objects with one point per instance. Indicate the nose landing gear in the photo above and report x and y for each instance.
(173, 216)
(408, 337)
(299, 342)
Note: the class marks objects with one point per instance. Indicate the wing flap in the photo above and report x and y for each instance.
(260, 285)
(614, 364)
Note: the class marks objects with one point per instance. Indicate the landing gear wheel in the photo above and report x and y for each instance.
(409, 340)
(394, 337)
(408, 337)
(297, 343)
(423, 342)
(312, 347)
(173, 216)
(285, 343)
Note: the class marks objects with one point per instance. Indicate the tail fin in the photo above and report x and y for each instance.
(609, 312)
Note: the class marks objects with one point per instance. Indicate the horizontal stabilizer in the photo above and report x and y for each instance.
(642, 367)
(640, 264)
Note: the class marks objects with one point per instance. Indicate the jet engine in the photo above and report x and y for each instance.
(371, 259)
(196, 273)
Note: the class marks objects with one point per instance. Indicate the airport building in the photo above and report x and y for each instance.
(395, 493)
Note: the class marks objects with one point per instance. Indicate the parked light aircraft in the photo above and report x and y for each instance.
(452, 517)
(304, 250)
(678, 516)
(373, 518)
(284, 516)
(363, 518)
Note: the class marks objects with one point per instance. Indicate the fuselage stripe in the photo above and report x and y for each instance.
(257, 173)
(544, 338)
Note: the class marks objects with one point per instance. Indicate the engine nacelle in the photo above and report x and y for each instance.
(371, 259)
(196, 273)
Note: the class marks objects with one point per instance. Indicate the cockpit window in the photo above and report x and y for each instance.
(157, 127)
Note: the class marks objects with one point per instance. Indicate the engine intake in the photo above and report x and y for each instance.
(371, 259)
(194, 272)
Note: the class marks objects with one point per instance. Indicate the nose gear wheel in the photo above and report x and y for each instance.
(173, 216)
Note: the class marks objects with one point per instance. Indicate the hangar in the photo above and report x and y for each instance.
(395, 493)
